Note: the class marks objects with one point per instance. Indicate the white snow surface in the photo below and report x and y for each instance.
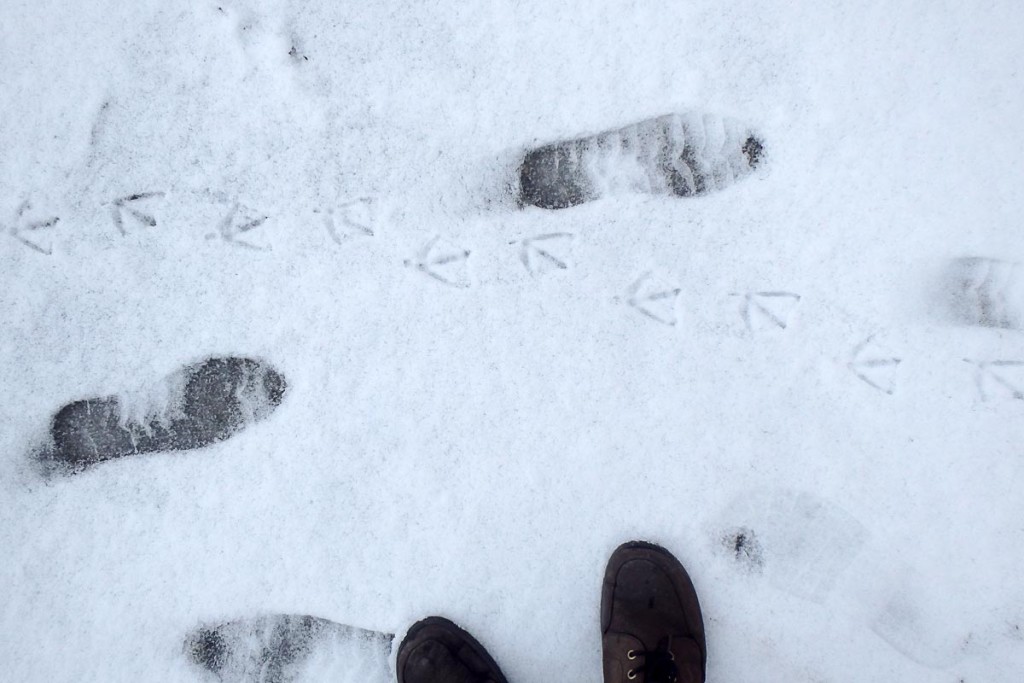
(475, 444)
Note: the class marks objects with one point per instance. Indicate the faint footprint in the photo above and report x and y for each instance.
(443, 261)
(281, 648)
(23, 224)
(800, 542)
(766, 310)
(129, 205)
(986, 292)
(873, 366)
(196, 406)
(231, 230)
(353, 218)
(999, 378)
(540, 254)
(655, 297)
(919, 627)
(676, 154)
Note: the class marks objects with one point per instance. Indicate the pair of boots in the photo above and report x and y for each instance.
(650, 620)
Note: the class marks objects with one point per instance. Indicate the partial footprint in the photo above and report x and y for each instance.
(676, 154)
(918, 625)
(286, 648)
(986, 292)
(999, 378)
(800, 542)
(196, 406)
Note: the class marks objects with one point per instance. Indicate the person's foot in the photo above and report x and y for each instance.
(650, 619)
(437, 651)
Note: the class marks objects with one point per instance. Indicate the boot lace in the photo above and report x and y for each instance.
(658, 665)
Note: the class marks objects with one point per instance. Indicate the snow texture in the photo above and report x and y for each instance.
(273, 298)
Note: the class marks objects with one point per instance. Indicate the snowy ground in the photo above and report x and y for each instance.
(476, 443)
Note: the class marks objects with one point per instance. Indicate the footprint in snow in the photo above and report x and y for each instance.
(799, 542)
(283, 648)
(196, 406)
(676, 154)
(985, 292)
(768, 311)
(925, 626)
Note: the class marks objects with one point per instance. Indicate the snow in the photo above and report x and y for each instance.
(469, 428)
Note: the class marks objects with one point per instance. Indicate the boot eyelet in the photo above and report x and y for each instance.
(631, 655)
(631, 674)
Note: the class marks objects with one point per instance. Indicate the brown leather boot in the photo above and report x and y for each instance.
(650, 618)
(437, 651)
